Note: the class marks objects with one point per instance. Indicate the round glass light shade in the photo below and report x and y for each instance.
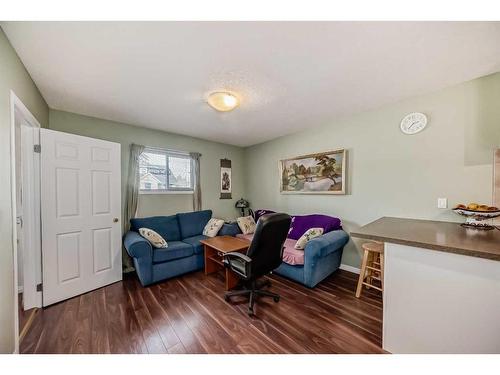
(223, 101)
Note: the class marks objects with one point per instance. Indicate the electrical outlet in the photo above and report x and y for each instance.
(442, 203)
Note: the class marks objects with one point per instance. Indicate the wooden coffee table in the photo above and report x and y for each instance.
(215, 248)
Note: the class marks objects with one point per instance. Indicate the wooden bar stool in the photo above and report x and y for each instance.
(372, 267)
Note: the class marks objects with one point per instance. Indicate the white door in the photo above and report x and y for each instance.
(80, 207)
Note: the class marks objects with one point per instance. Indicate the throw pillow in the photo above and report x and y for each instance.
(213, 226)
(246, 224)
(308, 236)
(154, 238)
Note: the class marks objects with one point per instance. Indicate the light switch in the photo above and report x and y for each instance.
(442, 203)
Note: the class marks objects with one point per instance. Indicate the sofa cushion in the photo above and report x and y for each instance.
(308, 236)
(165, 226)
(290, 254)
(213, 227)
(229, 229)
(247, 224)
(154, 238)
(175, 250)
(192, 223)
(195, 243)
(300, 224)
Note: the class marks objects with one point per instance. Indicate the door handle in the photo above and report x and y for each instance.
(115, 220)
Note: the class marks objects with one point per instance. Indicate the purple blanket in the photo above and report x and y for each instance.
(301, 223)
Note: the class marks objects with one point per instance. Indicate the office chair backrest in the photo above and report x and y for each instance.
(266, 249)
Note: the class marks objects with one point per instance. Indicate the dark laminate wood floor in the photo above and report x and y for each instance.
(188, 315)
(23, 315)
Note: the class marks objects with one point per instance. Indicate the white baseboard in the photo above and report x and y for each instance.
(352, 269)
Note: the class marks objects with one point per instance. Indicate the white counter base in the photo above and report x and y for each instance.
(438, 302)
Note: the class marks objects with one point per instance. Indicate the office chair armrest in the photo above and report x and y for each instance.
(235, 254)
(247, 261)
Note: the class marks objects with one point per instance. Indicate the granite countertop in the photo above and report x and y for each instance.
(435, 235)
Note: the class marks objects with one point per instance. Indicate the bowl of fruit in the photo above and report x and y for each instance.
(477, 214)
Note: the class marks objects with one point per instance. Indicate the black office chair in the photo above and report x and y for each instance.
(263, 256)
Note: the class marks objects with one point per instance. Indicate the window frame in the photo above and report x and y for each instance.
(168, 154)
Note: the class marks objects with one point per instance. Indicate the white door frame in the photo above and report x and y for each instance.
(31, 233)
(16, 105)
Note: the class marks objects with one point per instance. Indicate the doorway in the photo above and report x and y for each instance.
(25, 177)
(72, 238)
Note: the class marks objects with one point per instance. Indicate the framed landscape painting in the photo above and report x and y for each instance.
(322, 173)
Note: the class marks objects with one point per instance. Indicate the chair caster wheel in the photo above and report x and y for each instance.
(250, 312)
(276, 299)
(226, 298)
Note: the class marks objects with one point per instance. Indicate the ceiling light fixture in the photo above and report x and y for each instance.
(223, 101)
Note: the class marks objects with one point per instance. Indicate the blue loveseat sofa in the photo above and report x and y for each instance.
(321, 256)
(184, 253)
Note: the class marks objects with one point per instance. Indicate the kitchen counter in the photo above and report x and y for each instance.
(441, 286)
(434, 235)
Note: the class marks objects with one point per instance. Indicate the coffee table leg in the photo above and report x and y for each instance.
(210, 266)
(231, 279)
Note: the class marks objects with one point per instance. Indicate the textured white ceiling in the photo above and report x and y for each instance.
(290, 75)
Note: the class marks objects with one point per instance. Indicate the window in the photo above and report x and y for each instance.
(163, 171)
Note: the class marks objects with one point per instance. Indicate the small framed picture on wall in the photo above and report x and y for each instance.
(226, 182)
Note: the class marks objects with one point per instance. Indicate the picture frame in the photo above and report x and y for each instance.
(319, 173)
(226, 182)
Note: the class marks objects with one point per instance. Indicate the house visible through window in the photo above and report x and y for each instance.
(164, 171)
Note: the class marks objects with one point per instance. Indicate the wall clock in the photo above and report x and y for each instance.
(413, 123)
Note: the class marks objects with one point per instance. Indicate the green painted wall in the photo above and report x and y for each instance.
(389, 173)
(13, 76)
(164, 204)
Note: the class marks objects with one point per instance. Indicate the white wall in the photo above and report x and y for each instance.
(389, 173)
(164, 204)
(13, 76)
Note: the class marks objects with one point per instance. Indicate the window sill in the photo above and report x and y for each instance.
(168, 192)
